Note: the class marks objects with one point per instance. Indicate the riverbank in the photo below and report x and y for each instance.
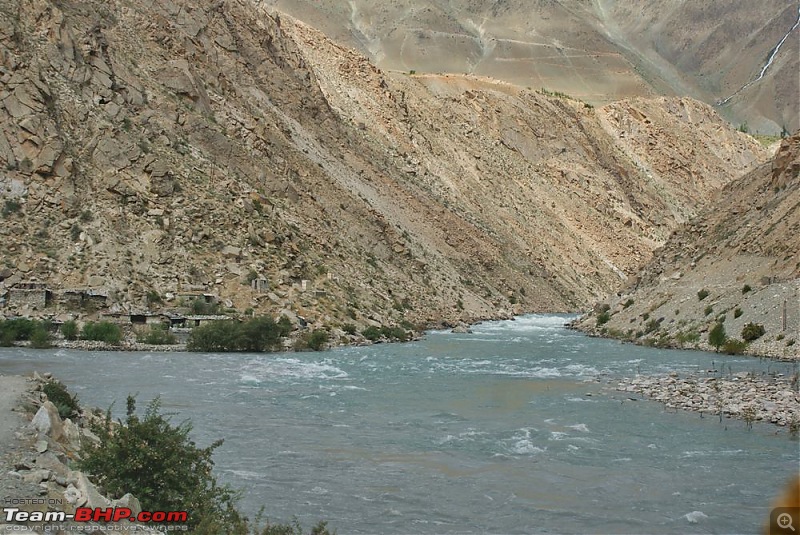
(36, 467)
(746, 396)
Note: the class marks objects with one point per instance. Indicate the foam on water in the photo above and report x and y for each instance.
(263, 370)
(579, 427)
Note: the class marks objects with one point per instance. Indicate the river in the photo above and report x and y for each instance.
(511, 429)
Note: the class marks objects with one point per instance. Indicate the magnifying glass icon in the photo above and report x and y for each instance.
(785, 521)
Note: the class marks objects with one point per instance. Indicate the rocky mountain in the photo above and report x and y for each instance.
(599, 51)
(736, 263)
(155, 149)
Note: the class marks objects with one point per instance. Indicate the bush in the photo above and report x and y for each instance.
(66, 403)
(737, 313)
(103, 331)
(732, 346)
(16, 330)
(157, 335)
(603, 318)
(752, 331)
(11, 207)
(318, 339)
(627, 303)
(70, 330)
(163, 468)
(255, 335)
(200, 307)
(746, 288)
(708, 310)
(349, 328)
(371, 333)
(154, 298)
(391, 333)
(41, 339)
(702, 294)
(717, 336)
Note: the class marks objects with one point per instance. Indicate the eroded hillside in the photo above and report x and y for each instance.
(598, 51)
(168, 147)
(737, 263)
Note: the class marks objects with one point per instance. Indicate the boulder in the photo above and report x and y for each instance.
(48, 421)
(89, 492)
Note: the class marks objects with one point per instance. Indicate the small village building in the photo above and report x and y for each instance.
(198, 320)
(30, 295)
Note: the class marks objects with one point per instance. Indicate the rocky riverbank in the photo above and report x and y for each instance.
(750, 397)
(37, 466)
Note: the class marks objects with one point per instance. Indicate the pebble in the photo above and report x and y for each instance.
(747, 397)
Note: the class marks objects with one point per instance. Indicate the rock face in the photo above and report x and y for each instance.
(170, 147)
(737, 263)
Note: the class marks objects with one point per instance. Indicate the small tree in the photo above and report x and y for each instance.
(752, 331)
(70, 330)
(717, 336)
(163, 468)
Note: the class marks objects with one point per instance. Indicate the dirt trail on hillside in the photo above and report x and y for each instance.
(11, 388)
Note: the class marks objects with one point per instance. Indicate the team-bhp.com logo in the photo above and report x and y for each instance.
(97, 514)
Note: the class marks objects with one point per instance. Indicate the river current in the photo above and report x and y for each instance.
(512, 429)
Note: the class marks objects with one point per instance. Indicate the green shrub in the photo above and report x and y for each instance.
(154, 298)
(708, 310)
(651, 326)
(157, 335)
(163, 468)
(717, 336)
(349, 328)
(255, 335)
(222, 335)
(689, 337)
(746, 288)
(752, 331)
(17, 329)
(603, 318)
(395, 333)
(318, 339)
(371, 333)
(259, 334)
(70, 330)
(66, 403)
(627, 303)
(201, 308)
(790, 343)
(390, 333)
(41, 339)
(11, 207)
(103, 331)
(737, 313)
(702, 294)
(732, 346)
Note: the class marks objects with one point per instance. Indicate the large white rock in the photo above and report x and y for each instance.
(47, 421)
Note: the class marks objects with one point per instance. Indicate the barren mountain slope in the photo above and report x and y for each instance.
(168, 147)
(599, 51)
(716, 47)
(743, 250)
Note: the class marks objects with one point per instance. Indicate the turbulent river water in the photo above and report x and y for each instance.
(512, 429)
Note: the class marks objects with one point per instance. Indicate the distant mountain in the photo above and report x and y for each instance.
(599, 51)
(736, 263)
(153, 149)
